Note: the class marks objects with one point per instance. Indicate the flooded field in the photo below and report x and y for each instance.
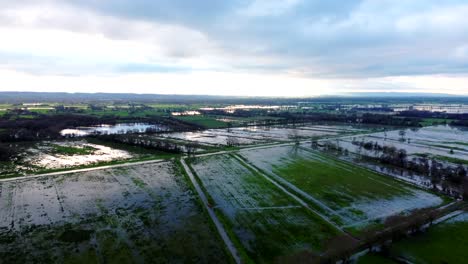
(62, 154)
(122, 128)
(263, 134)
(55, 155)
(144, 213)
(444, 142)
(447, 145)
(267, 222)
(349, 195)
(66, 154)
(443, 243)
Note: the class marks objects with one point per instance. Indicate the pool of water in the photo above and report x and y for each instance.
(104, 129)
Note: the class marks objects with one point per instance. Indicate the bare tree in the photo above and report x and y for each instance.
(465, 188)
(190, 149)
(402, 134)
(232, 141)
(294, 135)
(314, 143)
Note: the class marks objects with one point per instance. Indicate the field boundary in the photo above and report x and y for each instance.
(293, 196)
(58, 173)
(219, 226)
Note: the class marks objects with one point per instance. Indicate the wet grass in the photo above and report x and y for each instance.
(337, 183)
(433, 121)
(348, 195)
(68, 150)
(263, 221)
(147, 231)
(443, 243)
(19, 168)
(204, 121)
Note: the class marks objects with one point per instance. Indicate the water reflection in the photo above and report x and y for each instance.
(123, 128)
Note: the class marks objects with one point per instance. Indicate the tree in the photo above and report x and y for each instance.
(435, 174)
(465, 189)
(294, 135)
(314, 143)
(402, 134)
(7, 153)
(190, 148)
(232, 141)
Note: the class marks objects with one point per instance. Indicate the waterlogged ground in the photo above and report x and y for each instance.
(66, 154)
(442, 243)
(122, 128)
(349, 195)
(263, 134)
(145, 213)
(443, 142)
(266, 221)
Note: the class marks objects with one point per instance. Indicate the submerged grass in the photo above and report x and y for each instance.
(68, 150)
(336, 182)
(204, 121)
(444, 243)
(142, 231)
(261, 219)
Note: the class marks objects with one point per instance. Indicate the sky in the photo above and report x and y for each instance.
(234, 47)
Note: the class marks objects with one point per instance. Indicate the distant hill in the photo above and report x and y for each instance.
(31, 97)
(399, 94)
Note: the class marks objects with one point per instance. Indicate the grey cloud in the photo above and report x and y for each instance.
(355, 38)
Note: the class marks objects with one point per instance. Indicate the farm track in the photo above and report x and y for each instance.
(222, 232)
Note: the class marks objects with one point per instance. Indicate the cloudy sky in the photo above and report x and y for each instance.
(234, 47)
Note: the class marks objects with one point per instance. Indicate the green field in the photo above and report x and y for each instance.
(68, 150)
(434, 121)
(348, 194)
(442, 243)
(204, 121)
(265, 222)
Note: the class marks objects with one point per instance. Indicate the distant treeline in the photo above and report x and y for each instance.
(367, 118)
(455, 119)
(150, 143)
(49, 126)
(44, 127)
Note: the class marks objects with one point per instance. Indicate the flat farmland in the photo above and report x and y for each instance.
(145, 213)
(262, 219)
(349, 195)
(443, 142)
(254, 135)
(444, 242)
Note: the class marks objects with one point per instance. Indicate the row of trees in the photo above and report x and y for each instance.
(439, 173)
(366, 118)
(151, 143)
(7, 152)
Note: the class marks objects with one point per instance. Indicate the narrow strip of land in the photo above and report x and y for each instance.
(222, 232)
(270, 208)
(128, 164)
(296, 198)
